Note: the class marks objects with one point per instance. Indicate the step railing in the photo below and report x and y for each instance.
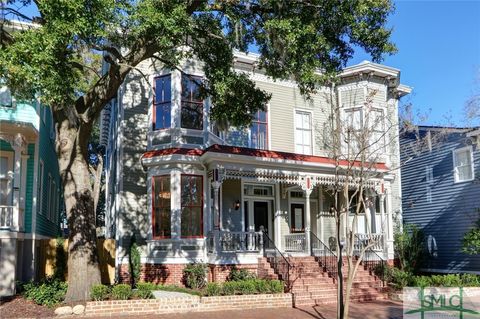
(372, 261)
(277, 260)
(328, 258)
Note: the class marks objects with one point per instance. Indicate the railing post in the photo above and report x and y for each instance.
(261, 243)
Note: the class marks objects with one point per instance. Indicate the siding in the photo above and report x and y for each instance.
(453, 206)
(22, 112)
(47, 154)
(29, 188)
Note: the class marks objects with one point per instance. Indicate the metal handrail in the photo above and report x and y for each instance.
(328, 258)
(281, 265)
(377, 265)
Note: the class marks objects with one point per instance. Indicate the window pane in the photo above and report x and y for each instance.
(192, 205)
(192, 115)
(463, 158)
(259, 136)
(3, 166)
(307, 138)
(237, 138)
(261, 116)
(163, 116)
(298, 120)
(306, 121)
(163, 89)
(161, 203)
(464, 173)
(4, 192)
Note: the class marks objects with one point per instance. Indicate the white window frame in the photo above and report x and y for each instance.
(455, 170)
(310, 114)
(8, 176)
(41, 171)
(49, 197)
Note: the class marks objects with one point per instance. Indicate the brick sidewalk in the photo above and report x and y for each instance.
(370, 310)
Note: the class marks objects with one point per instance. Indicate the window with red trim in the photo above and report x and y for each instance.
(162, 102)
(192, 103)
(192, 206)
(161, 206)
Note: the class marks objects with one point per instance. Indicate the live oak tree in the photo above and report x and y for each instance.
(50, 60)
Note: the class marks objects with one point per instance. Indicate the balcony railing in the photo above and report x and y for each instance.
(375, 242)
(295, 242)
(11, 218)
(234, 242)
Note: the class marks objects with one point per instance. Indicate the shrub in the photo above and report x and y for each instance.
(195, 276)
(99, 292)
(261, 286)
(121, 292)
(213, 289)
(48, 292)
(275, 286)
(409, 245)
(400, 278)
(144, 290)
(240, 274)
(134, 262)
(470, 280)
(420, 281)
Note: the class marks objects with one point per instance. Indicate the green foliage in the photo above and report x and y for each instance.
(244, 287)
(48, 292)
(409, 247)
(240, 274)
(213, 289)
(195, 276)
(400, 278)
(60, 269)
(121, 292)
(144, 290)
(134, 262)
(178, 289)
(471, 240)
(99, 292)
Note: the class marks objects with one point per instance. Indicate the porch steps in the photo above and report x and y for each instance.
(313, 286)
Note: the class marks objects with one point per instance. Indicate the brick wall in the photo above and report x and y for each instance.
(115, 308)
(167, 274)
(219, 273)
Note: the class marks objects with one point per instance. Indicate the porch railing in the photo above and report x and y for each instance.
(327, 258)
(372, 261)
(234, 242)
(295, 242)
(279, 262)
(11, 218)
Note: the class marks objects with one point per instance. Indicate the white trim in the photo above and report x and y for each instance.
(310, 113)
(41, 167)
(472, 164)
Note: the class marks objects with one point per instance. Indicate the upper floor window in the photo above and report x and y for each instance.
(463, 164)
(5, 96)
(162, 102)
(303, 132)
(192, 103)
(364, 129)
(256, 136)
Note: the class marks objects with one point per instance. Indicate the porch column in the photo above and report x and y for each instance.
(307, 220)
(382, 221)
(216, 207)
(277, 219)
(18, 147)
(389, 223)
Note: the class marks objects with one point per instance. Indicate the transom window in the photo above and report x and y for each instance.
(463, 164)
(192, 103)
(258, 190)
(162, 102)
(303, 133)
(161, 207)
(192, 206)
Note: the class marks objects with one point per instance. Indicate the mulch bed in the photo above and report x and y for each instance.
(19, 307)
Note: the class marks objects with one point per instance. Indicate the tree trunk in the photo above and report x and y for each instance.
(83, 265)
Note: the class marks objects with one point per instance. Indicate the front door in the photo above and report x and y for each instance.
(260, 215)
(297, 223)
(257, 214)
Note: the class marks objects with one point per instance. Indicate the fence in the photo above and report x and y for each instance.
(47, 258)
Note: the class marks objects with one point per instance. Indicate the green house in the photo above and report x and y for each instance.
(30, 188)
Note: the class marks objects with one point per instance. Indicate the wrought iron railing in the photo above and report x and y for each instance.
(295, 242)
(279, 262)
(327, 258)
(372, 261)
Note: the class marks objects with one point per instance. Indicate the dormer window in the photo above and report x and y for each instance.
(192, 103)
(162, 102)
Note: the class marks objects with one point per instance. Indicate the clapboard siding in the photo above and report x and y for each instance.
(453, 207)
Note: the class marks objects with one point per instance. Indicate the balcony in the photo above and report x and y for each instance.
(11, 219)
(234, 242)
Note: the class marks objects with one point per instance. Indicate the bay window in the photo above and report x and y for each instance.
(191, 206)
(192, 103)
(162, 102)
(161, 218)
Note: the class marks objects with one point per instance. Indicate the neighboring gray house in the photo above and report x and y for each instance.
(441, 192)
(191, 194)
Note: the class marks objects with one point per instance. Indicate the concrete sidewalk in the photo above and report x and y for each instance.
(364, 310)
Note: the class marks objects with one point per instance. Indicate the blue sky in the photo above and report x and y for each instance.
(439, 56)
